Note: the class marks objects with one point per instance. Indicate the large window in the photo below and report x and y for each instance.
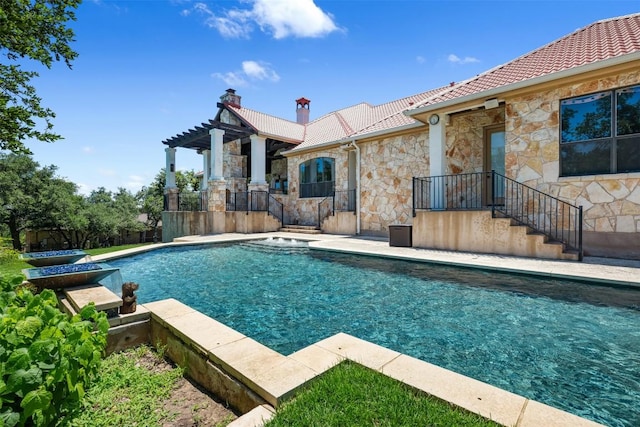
(600, 133)
(317, 177)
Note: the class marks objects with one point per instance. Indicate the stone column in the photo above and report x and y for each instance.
(170, 169)
(216, 154)
(437, 163)
(217, 196)
(206, 168)
(258, 164)
(171, 199)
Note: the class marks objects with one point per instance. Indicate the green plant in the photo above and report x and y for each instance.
(7, 253)
(350, 394)
(130, 390)
(47, 358)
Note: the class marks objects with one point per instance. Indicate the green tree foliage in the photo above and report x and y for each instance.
(33, 30)
(24, 187)
(47, 358)
(33, 197)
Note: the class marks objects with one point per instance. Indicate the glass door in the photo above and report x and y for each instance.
(494, 143)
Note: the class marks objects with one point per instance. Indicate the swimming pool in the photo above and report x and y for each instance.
(572, 346)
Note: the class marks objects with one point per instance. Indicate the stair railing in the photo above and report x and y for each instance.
(276, 209)
(558, 220)
(326, 208)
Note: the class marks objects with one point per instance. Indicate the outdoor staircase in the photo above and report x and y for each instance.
(305, 229)
(545, 220)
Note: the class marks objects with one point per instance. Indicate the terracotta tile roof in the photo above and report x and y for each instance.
(599, 41)
(361, 119)
(270, 125)
(355, 120)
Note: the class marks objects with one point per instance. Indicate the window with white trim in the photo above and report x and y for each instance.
(600, 133)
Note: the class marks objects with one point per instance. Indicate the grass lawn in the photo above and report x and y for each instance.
(352, 395)
(138, 387)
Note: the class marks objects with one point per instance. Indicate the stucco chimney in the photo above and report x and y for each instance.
(231, 98)
(302, 111)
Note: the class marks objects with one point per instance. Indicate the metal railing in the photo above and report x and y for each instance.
(344, 201)
(255, 201)
(558, 220)
(276, 209)
(316, 189)
(325, 209)
(250, 201)
(192, 201)
(450, 192)
(238, 201)
(339, 201)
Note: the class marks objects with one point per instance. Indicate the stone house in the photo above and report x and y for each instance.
(549, 141)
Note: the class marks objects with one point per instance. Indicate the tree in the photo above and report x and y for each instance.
(33, 197)
(33, 30)
(23, 188)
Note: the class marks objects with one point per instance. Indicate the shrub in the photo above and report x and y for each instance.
(7, 253)
(46, 357)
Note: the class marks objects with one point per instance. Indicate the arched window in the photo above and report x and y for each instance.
(317, 177)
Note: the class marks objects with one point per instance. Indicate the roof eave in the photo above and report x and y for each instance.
(349, 139)
(279, 137)
(526, 83)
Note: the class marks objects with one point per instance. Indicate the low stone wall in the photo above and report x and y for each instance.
(340, 223)
(203, 371)
(180, 224)
(477, 231)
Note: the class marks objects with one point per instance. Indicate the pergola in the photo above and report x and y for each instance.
(208, 139)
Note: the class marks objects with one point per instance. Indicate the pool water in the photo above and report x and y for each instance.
(570, 345)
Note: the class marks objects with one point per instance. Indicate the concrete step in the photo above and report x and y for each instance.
(103, 298)
(568, 254)
(308, 229)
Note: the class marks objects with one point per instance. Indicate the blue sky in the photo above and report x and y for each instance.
(148, 70)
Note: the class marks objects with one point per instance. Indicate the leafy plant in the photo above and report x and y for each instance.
(47, 358)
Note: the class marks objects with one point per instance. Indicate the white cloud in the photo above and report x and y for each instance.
(259, 71)
(466, 60)
(420, 59)
(281, 18)
(251, 71)
(231, 79)
(87, 150)
(297, 18)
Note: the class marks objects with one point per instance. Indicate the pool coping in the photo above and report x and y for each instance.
(275, 377)
(263, 370)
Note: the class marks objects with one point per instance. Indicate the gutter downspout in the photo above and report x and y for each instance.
(354, 145)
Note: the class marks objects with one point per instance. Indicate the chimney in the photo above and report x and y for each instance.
(230, 98)
(302, 111)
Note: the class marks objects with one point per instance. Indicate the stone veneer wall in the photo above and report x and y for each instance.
(305, 211)
(465, 140)
(611, 203)
(234, 166)
(386, 172)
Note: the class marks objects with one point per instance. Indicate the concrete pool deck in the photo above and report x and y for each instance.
(275, 377)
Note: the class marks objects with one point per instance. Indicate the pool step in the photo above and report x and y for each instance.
(307, 229)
